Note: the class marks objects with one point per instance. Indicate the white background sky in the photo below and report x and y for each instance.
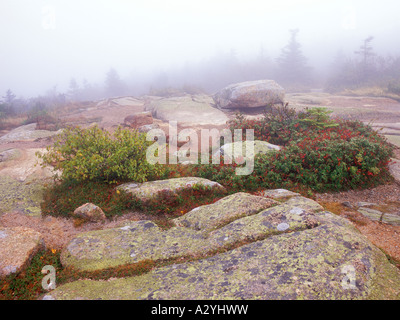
(45, 43)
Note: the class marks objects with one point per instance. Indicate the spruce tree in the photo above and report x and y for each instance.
(292, 64)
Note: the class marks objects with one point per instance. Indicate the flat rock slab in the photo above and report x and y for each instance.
(132, 243)
(148, 190)
(119, 101)
(225, 210)
(27, 133)
(141, 240)
(17, 246)
(326, 260)
(377, 215)
(187, 110)
(8, 155)
(23, 196)
(394, 139)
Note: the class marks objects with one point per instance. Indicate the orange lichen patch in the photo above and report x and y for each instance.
(334, 207)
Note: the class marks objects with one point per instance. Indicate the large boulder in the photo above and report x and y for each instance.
(250, 94)
(139, 119)
(17, 247)
(294, 250)
(187, 110)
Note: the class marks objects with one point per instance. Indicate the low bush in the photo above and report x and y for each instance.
(282, 124)
(330, 160)
(39, 116)
(320, 154)
(61, 199)
(27, 285)
(94, 154)
(394, 87)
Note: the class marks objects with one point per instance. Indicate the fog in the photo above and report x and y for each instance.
(45, 44)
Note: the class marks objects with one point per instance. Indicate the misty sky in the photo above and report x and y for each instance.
(46, 43)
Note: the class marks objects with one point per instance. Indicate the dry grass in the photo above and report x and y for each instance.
(11, 123)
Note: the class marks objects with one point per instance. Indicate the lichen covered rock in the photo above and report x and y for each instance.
(330, 261)
(294, 250)
(230, 208)
(22, 196)
(147, 190)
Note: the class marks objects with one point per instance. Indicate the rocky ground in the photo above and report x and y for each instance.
(266, 247)
(20, 182)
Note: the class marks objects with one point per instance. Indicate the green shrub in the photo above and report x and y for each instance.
(282, 124)
(61, 199)
(328, 161)
(316, 118)
(95, 155)
(323, 155)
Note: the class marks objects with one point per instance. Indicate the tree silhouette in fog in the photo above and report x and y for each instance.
(367, 54)
(114, 86)
(292, 64)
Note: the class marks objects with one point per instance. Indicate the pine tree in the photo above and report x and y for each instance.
(367, 54)
(7, 107)
(74, 90)
(114, 84)
(292, 64)
(9, 97)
